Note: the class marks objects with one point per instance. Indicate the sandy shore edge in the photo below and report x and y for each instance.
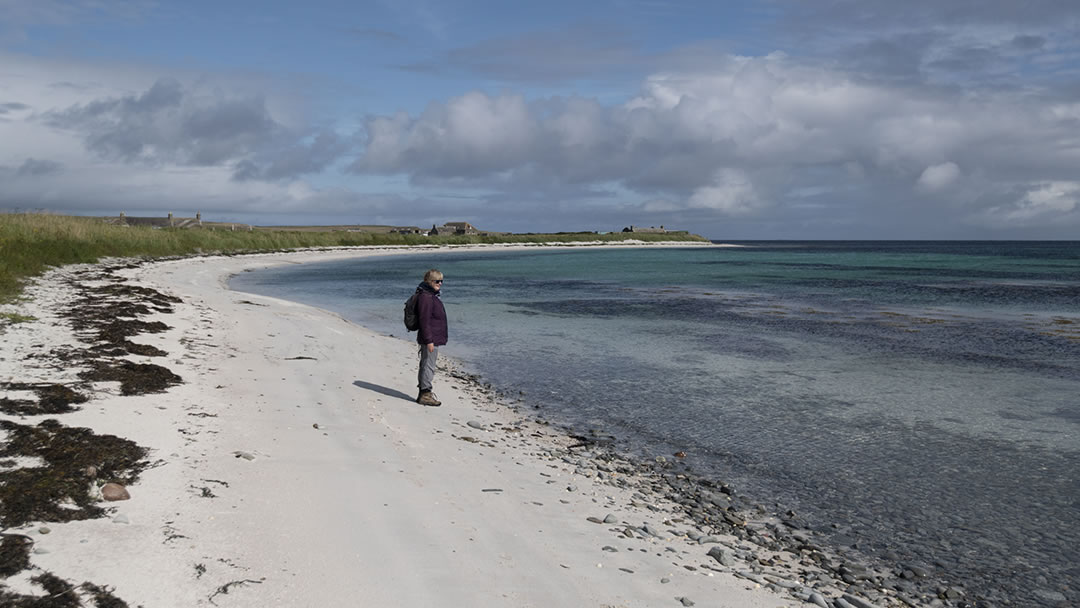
(292, 468)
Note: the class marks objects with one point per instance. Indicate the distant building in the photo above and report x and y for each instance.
(171, 221)
(641, 229)
(406, 230)
(453, 228)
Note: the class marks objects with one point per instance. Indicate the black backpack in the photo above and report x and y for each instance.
(412, 319)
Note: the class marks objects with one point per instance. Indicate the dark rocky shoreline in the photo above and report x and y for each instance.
(777, 549)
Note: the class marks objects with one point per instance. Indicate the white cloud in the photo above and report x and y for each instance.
(938, 177)
(1057, 202)
(731, 192)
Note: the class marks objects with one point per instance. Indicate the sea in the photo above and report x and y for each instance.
(916, 402)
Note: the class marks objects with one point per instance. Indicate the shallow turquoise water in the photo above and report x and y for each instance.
(921, 395)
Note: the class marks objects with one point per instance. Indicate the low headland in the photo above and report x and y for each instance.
(168, 442)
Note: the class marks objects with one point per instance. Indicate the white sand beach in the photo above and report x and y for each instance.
(292, 468)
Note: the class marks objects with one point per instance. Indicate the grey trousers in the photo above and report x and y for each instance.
(427, 367)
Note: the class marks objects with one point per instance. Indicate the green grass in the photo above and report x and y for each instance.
(14, 317)
(30, 243)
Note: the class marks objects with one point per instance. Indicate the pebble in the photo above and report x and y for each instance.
(244, 455)
(781, 582)
(611, 519)
(40, 550)
(121, 519)
(44, 530)
(609, 549)
(476, 425)
(665, 580)
(721, 556)
(685, 601)
(818, 599)
(114, 491)
(595, 520)
(858, 602)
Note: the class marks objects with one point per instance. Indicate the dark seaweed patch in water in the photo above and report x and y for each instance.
(134, 378)
(14, 554)
(52, 399)
(38, 493)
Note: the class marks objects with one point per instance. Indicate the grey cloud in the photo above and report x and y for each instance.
(754, 136)
(11, 106)
(548, 56)
(1028, 42)
(170, 124)
(35, 167)
(967, 59)
(899, 57)
(299, 158)
(931, 13)
(927, 40)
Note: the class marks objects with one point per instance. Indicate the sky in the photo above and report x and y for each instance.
(757, 119)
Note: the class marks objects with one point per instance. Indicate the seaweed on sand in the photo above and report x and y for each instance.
(61, 594)
(14, 554)
(52, 399)
(60, 491)
(134, 378)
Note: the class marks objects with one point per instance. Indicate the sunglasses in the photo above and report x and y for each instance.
(438, 281)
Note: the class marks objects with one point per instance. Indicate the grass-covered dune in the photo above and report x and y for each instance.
(32, 242)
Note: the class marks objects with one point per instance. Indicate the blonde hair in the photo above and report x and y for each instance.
(432, 275)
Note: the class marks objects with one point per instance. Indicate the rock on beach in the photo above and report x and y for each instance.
(114, 491)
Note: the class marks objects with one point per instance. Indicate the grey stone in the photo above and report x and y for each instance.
(121, 519)
(781, 582)
(685, 601)
(665, 580)
(721, 556)
(609, 549)
(858, 602)
(1050, 596)
(818, 599)
(611, 519)
(44, 530)
(595, 520)
(476, 425)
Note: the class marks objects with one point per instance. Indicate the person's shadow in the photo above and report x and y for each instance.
(382, 390)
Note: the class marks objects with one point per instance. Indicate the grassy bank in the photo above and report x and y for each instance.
(32, 242)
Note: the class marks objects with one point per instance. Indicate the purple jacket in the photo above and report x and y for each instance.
(432, 315)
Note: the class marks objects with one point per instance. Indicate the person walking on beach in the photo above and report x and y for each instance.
(432, 332)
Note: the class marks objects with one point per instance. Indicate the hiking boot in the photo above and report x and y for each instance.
(428, 398)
